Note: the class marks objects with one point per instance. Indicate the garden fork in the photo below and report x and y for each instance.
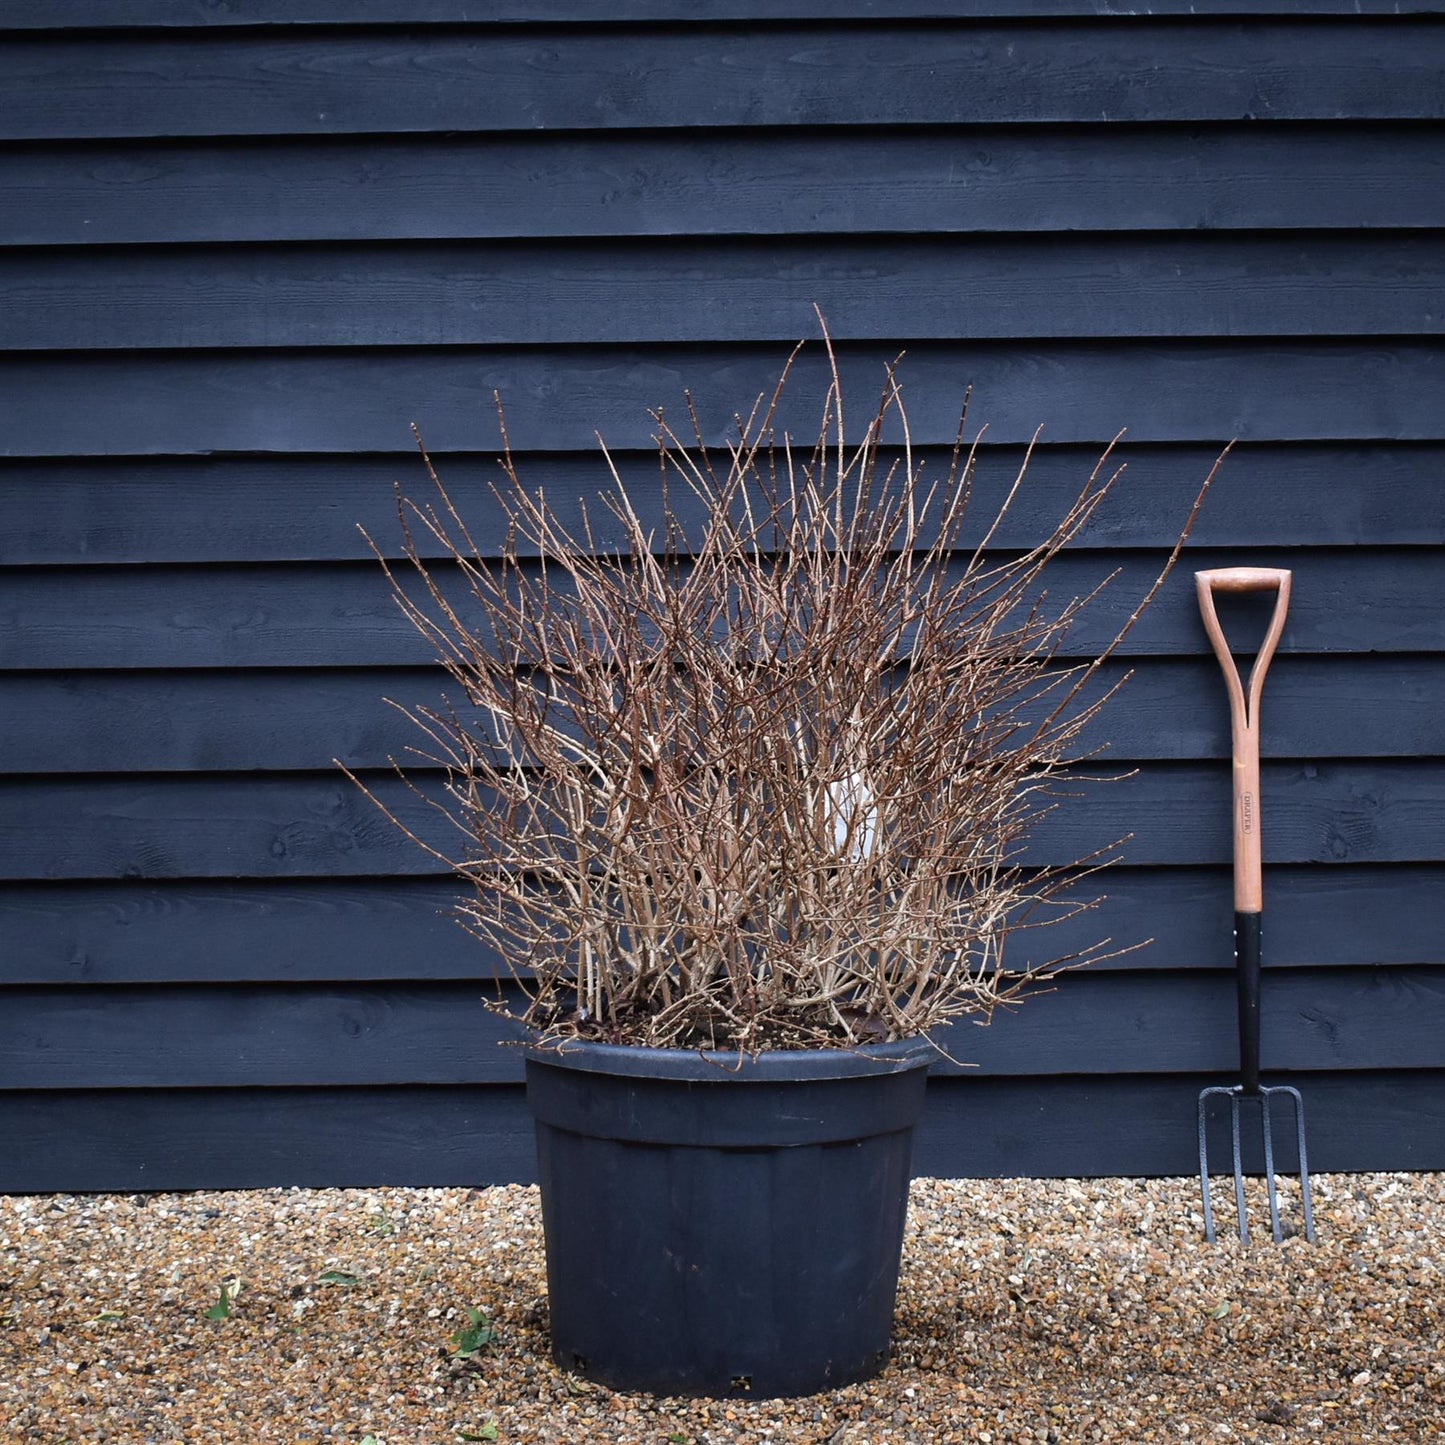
(1248, 895)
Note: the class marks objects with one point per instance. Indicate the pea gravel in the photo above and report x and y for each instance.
(1029, 1311)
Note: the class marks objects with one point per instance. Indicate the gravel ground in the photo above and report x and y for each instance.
(1029, 1311)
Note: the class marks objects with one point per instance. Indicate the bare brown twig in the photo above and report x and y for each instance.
(764, 781)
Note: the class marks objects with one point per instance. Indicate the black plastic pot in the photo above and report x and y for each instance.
(723, 1226)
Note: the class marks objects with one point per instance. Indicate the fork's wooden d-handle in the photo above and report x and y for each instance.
(1244, 713)
(1243, 579)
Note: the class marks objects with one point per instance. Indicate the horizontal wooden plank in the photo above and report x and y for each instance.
(240, 1138)
(302, 825)
(349, 929)
(1063, 1128)
(135, 1139)
(335, 401)
(160, 14)
(314, 1036)
(163, 1037)
(1109, 1023)
(1019, 179)
(277, 721)
(1151, 285)
(300, 508)
(269, 83)
(336, 615)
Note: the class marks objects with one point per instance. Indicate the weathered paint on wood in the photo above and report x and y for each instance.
(1062, 1128)
(290, 825)
(79, 1140)
(143, 14)
(280, 720)
(266, 508)
(1350, 600)
(486, 293)
(265, 83)
(148, 1139)
(1118, 1022)
(316, 930)
(982, 179)
(324, 400)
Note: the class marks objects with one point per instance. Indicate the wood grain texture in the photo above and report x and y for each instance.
(294, 719)
(159, 403)
(982, 179)
(263, 508)
(1151, 285)
(442, 1034)
(135, 1139)
(152, 14)
(268, 83)
(291, 825)
(1070, 1128)
(342, 615)
(314, 930)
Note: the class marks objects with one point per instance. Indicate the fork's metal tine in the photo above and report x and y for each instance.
(1238, 1168)
(1204, 1169)
(1204, 1174)
(1274, 1224)
(1235, 1095)
(1304, 1168)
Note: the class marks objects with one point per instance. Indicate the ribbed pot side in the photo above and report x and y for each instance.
(723, 1226)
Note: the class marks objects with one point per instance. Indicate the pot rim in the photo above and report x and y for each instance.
(713, 1066)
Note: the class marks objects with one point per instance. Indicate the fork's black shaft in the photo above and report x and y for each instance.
(1246, 963)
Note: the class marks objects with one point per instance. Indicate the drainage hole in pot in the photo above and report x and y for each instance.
(741, 1384)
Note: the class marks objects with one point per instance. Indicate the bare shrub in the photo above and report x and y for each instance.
(759, 780)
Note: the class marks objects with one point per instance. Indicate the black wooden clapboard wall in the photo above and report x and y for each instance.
(245, 245)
